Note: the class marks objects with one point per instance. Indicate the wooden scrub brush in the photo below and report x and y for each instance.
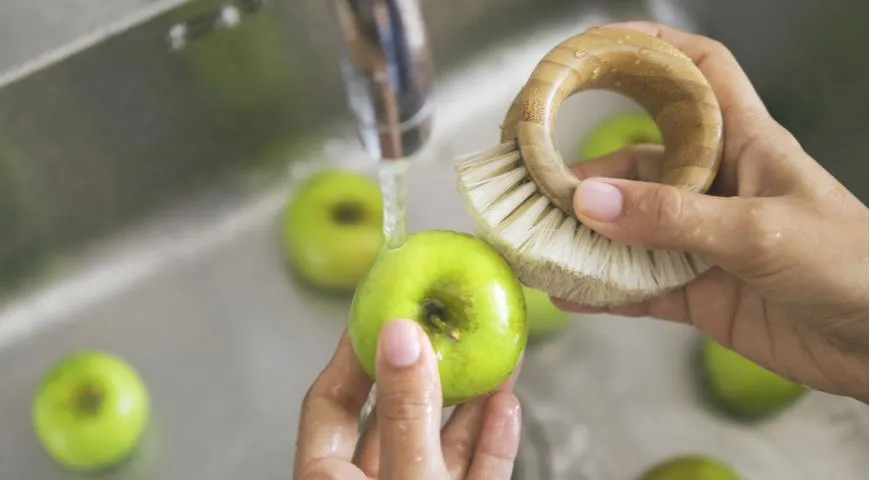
(520, 192)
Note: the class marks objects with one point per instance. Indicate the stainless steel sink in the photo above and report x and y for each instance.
(140, 187)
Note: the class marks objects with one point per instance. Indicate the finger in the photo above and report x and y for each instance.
(368, 448)
(409, 403)
(732, 230)
(329, 414)
(499, 440)
(459, 436)
(639, 162)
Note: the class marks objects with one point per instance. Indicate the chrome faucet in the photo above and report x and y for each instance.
(387, 73)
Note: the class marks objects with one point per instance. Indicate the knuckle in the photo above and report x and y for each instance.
(402, 406)
(320, 395)
(717, 49)
(667, 206)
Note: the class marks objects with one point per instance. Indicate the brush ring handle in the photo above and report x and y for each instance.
(642, 67)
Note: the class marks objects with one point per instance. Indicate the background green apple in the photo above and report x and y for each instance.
(333, 228)
(618, 132)
(741, 387)
(690, 467)
(542, 316)
(464, 295)
(90, 410)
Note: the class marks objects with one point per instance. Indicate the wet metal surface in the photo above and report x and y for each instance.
(178, 267)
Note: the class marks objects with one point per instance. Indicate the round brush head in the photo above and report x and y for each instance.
(520, 192)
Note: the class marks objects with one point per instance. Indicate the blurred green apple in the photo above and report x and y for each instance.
(333, 228)
(90, 410)
(542, 316)
(690, 467)
(741, 387)
(618, 132)
(463, 294)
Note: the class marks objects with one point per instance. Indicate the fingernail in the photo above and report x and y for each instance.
(400, 343)
(598, 200)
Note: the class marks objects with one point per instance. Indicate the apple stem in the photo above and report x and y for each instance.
(441, 325)
(433, 311)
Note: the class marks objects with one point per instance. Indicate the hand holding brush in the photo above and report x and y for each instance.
(788, 244)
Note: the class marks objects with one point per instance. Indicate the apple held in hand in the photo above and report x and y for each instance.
(542, 316)
(90, 410)
(690, 467)
(333, 228)
(463, 294)
(741, 387)
(619, 132)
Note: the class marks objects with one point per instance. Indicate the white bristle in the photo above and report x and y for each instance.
(489, 153)
(554, 251)
(500, 188)
(521, 224)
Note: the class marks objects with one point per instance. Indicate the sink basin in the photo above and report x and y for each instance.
(139, 194)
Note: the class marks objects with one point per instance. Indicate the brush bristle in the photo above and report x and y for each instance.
(553, 251)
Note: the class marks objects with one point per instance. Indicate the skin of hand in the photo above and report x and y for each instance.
(404, 438)
(789, 243)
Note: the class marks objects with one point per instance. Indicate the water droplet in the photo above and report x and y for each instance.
(620, 42)
(580, 54)
(637, 62)
(596, 72)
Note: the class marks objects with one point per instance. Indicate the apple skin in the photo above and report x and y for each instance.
(96, 437)
(741, 388)
(332, 229)
(690, 467)
(542, 316)
(618, 132)
(481, 300)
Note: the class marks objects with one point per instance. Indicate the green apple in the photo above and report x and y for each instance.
(690, 467)
(741, 387)
(332, 229)
(618, 132)
(542, 316)
(90, 410)
(464, 295)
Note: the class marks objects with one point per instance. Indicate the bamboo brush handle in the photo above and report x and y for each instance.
(644, 68)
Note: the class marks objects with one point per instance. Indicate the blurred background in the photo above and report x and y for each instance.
(146, 151)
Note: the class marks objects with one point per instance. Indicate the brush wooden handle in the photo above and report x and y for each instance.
(642, 67)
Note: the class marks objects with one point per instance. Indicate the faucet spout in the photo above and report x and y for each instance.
(387, 72)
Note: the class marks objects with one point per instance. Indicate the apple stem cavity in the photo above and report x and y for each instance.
(433, 313)
(346, 213)
(89, 399)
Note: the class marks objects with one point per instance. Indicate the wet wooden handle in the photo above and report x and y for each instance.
(644, 68)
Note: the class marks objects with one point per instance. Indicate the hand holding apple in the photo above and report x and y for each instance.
(463, 294)
(409, 437)
(90, 410)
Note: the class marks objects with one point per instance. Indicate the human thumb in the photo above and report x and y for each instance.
(658, 216)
